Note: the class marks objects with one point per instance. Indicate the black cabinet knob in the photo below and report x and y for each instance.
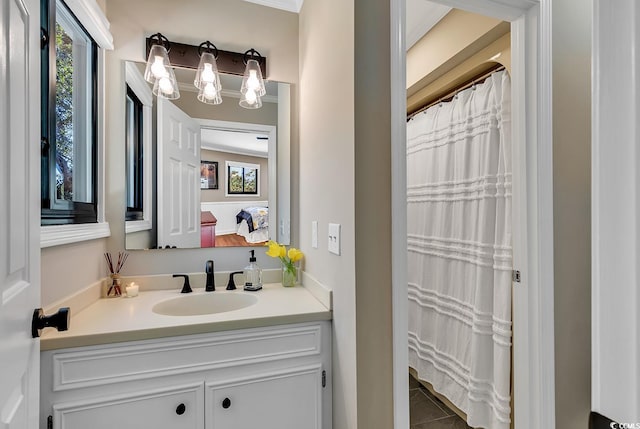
(226, 403)
(181, 409)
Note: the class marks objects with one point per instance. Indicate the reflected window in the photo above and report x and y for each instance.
(243, 179)
(134, 156)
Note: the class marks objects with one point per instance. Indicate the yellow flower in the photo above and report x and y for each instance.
(277, 250)
(295, 255)
(274, 249)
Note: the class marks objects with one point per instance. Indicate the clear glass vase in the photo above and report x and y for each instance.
(115, 289)
(290, 275)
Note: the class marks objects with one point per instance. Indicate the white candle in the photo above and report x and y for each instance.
(132, 290)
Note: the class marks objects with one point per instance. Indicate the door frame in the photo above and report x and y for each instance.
(533, 321)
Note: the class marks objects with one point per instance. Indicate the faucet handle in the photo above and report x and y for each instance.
(232, 284)
(210, 283)
(186, 287)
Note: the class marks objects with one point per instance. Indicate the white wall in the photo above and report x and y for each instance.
(571, 214)
(616, 191)
(345, 178)
(326, 177)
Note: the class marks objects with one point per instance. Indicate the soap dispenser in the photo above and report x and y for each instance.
(252, 274)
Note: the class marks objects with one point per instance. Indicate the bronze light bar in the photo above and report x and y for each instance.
(186, 56)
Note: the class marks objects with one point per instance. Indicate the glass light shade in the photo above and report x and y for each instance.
(250, 100)
(167, 87)
(207, 72)
(209, 94)
(252, 79)
(157, 64)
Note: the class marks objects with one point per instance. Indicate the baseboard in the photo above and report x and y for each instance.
(598, 421)
(79, 300)
(318, 290)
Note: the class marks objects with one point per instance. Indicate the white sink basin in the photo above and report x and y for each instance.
(196, 304)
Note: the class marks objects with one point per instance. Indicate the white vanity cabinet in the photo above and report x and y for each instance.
(274, 377)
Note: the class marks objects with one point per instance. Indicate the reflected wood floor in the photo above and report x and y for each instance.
(428, 412)
(234, 240)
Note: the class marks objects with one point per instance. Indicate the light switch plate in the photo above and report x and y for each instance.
(334, 238)
(314, 234)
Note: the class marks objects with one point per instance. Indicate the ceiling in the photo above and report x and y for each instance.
(422, 15)
(288, 5)
(241, 142)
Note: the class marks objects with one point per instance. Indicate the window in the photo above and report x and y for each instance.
(139, 154)
(134, 156)
(69, 111)
(242, 179)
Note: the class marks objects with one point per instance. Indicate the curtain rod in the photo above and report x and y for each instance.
(455, 91)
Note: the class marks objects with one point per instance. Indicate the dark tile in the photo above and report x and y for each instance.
(413, 383)
(437, 401)
(422, 409)
(452, 422)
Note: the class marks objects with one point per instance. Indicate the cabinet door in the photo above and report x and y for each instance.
(176, 408)
(285, 400)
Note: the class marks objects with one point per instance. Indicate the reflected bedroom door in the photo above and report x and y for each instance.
(178, 177)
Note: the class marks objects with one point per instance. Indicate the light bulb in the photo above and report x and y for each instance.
(165, 85)
(252, 82)
(251, 96)
(207, 74)
(157, 68)
(210, 91)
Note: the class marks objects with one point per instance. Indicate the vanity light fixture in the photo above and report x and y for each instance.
(252, 83)
(208, 61)
(159, 70)
(207, 78)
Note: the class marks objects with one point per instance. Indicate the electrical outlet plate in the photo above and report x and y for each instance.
(314, 234)
(334, 238)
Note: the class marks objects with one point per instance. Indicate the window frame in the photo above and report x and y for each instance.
(136, 174)
(94, 20)
(135, 81)
(55, 211)
(243, 165)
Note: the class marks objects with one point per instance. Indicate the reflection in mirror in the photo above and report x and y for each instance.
(201, 175)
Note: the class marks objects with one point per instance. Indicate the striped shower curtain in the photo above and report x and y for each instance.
(459, 247)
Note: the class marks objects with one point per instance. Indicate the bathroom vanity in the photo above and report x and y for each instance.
(123, 366)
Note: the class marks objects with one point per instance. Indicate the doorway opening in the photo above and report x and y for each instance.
(533, 380)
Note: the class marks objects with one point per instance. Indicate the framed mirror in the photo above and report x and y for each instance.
(201, 175)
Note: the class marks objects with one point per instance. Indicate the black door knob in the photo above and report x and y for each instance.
(59, 320)
(181, 409)
(226, 403)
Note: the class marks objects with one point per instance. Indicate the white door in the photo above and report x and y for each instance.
(178, 177)
(19, 211)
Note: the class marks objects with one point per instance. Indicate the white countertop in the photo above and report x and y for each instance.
(112, 320)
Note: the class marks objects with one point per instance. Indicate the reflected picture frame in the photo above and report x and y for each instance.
(208, 174)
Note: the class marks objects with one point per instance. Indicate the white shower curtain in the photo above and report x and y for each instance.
(459, 247)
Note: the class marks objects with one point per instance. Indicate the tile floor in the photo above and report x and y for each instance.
(427, 412)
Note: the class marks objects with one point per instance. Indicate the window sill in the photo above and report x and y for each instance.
(137, 226)
(57, 235)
